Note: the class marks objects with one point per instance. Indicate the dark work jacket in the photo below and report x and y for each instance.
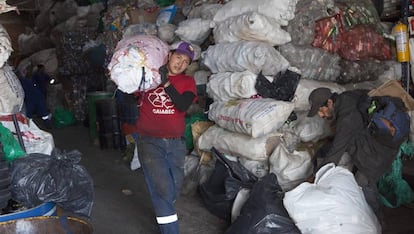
(372, 154)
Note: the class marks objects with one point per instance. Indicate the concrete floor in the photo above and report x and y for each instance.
(117, 211)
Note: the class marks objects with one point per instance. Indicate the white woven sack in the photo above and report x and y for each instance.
(250, 26)
(280, 10)
(5, 45)
(244, 55)
(333, 204)
(305, 87)
(204, 11)
(253, 117)
(237, 144)
(225, 86)
(194, 30)
(291, 169)
(131, 55)
(12, 94)
(166, 32)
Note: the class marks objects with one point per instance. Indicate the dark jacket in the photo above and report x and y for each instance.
(372, 154)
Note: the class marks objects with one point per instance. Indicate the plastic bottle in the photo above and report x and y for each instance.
(400, 32)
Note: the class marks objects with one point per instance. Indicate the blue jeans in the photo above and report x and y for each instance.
(162, 162)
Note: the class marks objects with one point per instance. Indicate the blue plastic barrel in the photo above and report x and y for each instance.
(45, 209)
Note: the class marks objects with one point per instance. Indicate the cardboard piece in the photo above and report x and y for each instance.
(393, 88)
(140, 16)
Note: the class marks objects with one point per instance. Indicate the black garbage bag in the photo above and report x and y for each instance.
(220, 190)
(263, 212)
(283, 86)
(39, 178)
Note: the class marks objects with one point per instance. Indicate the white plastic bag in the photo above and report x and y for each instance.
(280, 10)
(291, 168)
(194, 30)
(305, 87)
(237, 144)
(225, 86)
(253, 117)
(244, 55)
(333, 204)
(311, 129)
(135, 163)
(166, 32)
(35, 140)
(250, 26)
(131, 55)
(12, 94)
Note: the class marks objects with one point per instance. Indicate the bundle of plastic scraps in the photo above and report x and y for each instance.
(134, 65)
(39, 178)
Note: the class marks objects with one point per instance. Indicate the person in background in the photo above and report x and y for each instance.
(34, 99)
(160, 127)
(41, 79)
(367, 149)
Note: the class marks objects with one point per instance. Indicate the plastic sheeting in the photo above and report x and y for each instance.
(5, 45)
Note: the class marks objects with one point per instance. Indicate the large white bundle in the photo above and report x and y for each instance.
(5, 45)
(253, 117)
(166, 32)
(237, 144)
(250, 26)
(244, 55)
(280, 10)
(225, 86)
(131, 56)
(204, 11)
(333, 204)
(291, 168)
(12, 94)
(194, 30)
(305, 87)
(311, 128)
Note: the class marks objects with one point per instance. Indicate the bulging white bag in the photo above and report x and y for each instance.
(250, 26)
(12, 94)
(280, 10)
(311, 129)
(225, 86)
(5, 44)
(291, 168)
(194, 30)
(333, 204)
(237, 144)
(305, 87)
(253, 117)
(244, 55)
(204, 11)
(135, 57)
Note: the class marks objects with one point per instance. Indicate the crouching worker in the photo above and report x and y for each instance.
(160, 128)
(366, 140)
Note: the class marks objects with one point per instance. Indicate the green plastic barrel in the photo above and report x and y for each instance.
(92, 98)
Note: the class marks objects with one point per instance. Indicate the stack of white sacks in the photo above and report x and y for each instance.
(254, 130)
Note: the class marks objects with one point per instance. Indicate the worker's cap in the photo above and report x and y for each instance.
(184, 48)
(318, 98)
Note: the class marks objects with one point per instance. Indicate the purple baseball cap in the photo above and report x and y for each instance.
(185, 48)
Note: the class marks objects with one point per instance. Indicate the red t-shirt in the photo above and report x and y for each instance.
(158, 117)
